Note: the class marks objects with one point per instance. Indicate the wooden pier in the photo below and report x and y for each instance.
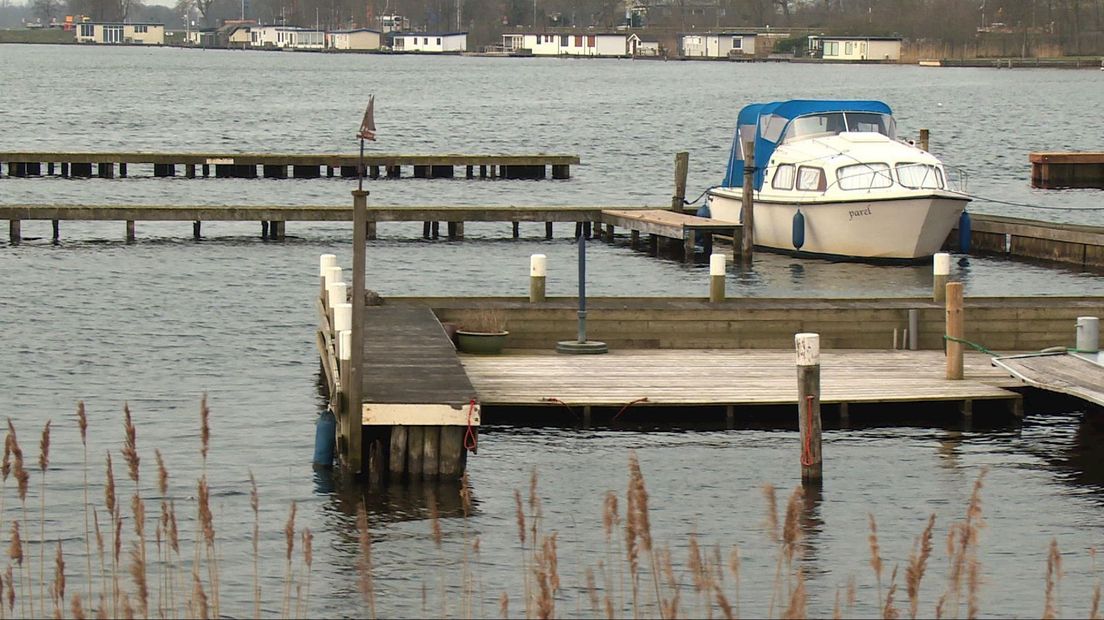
(78, 165)
(1072, 169)
(1072, 373)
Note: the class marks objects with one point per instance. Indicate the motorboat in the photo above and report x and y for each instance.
(831, 178)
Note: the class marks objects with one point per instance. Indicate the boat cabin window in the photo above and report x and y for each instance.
(810, 179)
(920, 176)
(783, 177)
(864, 176)
(832, 123)
(746, 133)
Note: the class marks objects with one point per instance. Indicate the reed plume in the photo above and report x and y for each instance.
(199, 598)
(82, 424)
(875, 553)
(43, 464)
(918, 562)
(255, 505)
(112, 513)
(504, 606)
(289, 540)
(10, 596)
(204, 429)
(798, 600)
(128, 609)
(22, 479)
(15, 551)
(130, 445)
(1053, 577)
(889, 610)
(638, 514)
(138, 556)
(308, 560)
(76, 607)
(59, 580)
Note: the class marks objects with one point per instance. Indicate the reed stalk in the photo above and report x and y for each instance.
(113, 513)
(15, 551)
(59, 581)
(82, 425)
(43, 464)
(875, 554)
(22, 479)
(918, 562)
(289, 538)
(254, 505)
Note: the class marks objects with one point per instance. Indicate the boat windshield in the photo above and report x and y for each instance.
(832, 123)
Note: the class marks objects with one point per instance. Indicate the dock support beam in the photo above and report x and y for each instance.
(397, 461)
(808, 406)
(56, 225)
(130, 231)
(15, 231)
(196, 226)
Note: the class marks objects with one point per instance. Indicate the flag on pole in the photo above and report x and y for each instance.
(368, 125)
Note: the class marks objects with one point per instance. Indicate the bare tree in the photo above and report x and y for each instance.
(47, 10)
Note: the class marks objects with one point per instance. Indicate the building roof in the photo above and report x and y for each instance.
(427, 34)
(122, 24)
(856, 38)
(721, 33)
(354, 30)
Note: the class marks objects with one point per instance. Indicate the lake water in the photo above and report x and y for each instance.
(165, 320)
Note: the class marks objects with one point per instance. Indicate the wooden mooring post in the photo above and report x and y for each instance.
(716, 278)
(356, 357)
(925, 138)
(941, 270)
(747, 217)
(808, 406)
(682, 168)
(956, 330)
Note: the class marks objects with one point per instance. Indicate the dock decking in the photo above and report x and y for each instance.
(729, 378)
(284, 165)
(1051, 170)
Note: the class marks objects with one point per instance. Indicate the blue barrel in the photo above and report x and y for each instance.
(325, 432)
(798, 229)
(964, 232)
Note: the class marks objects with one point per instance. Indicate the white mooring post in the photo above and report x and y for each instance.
(538, 272)
(336, 294)
(941, 270)
(716, 277)
(325, 261)
(1088, 334)
(808, 405)
(343, 317)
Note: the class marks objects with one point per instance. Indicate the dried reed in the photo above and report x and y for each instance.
(889, 609)
(82, 425)
(255, 505)
(875, 553)
(1053, 578)
(43, 464)
(364, 563)
(289, 546)
(918, 562)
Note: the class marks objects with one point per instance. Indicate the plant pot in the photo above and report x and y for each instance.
(481, 343)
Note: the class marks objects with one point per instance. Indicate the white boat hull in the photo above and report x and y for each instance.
(900, 228)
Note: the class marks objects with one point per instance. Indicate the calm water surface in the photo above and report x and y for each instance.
(161, 322)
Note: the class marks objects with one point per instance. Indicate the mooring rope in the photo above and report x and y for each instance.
(972, 345)
(807, 443)
(642, 399)
(553, 399)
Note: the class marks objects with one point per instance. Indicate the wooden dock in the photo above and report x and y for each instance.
(1076, 374)
(25, 164)
(1050, 170)
(729, 379)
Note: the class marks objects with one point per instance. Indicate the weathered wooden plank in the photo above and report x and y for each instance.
(1065, 373)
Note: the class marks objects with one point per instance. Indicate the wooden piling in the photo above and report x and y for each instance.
(415, 451)
(196, 226)
(190, 171)
(56, 225)
(682, 168)
(924, 139)
(50, 169)
(688, 246)
(15, 231)
(537, 276)
(432, 443)
(130, 231)
(956, 330)
(716, 278)
(122, 169)
(276, 230)
(515, 229)
(451, 456)
(747, 242)
(65, 169)
(356, 362)
(634, 239)
(561, 171)
(397, 460)
(548, 230)
(264, 229)
(808, 406)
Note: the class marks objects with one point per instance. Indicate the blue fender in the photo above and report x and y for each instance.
(325, 433)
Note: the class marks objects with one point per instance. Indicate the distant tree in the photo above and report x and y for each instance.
(47, 10)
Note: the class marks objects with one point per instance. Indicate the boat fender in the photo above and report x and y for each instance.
(964, 232)
(703, 211)
(798, 229)
(325, 431)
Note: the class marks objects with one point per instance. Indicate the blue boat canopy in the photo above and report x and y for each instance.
(766, 123)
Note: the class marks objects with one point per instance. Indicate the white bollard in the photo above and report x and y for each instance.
(344, 345)
(343, 316)
(716, 277)
(325, 261)
(941, 270)
(337, 294)
(1088, 334)
(808, 406)
(333, 274)
(538, 272)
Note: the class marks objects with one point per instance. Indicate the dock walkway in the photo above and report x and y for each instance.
(1076, 374)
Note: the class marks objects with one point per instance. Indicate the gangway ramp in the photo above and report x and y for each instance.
(1073, 373)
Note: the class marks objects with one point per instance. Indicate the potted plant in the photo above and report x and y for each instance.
(483, 333)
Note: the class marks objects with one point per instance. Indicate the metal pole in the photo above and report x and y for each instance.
(582, 289)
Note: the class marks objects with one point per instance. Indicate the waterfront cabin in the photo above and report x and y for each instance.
(287, 37)
(585, 44)
(237, 35)
(358, 39)
(114, 33)
(851, 49)
(206, 37)
(717, 44)
(429, 42)
(638, 46)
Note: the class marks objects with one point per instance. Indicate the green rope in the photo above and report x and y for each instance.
(972, 345)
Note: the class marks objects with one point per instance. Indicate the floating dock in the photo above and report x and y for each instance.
(1061, 170)
(25, 164)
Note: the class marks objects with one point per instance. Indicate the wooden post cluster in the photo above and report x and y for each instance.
(808, 406)
(747, 218)
(325, 263)
(716, 278)
(956, 330)
(941, 270)
(682, 168)
(538, 264)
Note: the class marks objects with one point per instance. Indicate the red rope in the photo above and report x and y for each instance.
(471, 440)
(630, 404)
(553, 399)
(807, 442)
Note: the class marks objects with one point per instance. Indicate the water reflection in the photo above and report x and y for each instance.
(1085, 456)
(398, 502)
(811, 521)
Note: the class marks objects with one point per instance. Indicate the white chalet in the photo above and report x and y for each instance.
(358, 39)
(286, 37)
(856, 48)
(435, 43)
(717, 44)
(585, 44)
(111, 33)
